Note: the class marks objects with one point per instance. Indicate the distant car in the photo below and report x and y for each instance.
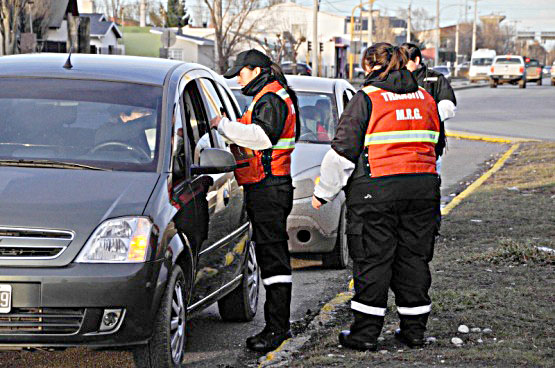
(302, 68)
(533, 71)
(358, 72)
(463, 69)
(321, 102)
(546, 70)
(443, 69)
(508, 69)
(480, 63)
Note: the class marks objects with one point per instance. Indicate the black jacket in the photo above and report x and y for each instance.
(435, 83)
(349, 143)
(270, 112)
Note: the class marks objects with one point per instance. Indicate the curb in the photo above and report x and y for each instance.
(478, 182)
(470, 86)
(280, 356)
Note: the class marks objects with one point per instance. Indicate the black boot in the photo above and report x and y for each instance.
(412, 330)
(348, 341)
(364, 332)
(267, 340)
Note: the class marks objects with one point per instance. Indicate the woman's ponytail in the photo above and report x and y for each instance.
(277, 73)
(389, 57)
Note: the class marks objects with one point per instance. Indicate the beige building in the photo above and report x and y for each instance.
(297, 19)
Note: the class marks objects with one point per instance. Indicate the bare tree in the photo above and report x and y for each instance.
(10, 16)
(229, 22)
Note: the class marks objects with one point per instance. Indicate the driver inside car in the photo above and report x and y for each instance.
(127, 127)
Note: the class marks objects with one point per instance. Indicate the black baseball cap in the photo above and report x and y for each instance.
(252, 58)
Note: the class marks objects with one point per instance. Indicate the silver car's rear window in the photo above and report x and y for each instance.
(110, 125)
(318, 112)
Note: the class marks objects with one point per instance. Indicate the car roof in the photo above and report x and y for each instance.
(133, 69)
(302, 83)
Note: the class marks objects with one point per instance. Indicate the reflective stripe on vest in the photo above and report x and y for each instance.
(402, 132)
(401, 136)
(253, 165)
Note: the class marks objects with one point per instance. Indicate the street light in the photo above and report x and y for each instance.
(351, 55)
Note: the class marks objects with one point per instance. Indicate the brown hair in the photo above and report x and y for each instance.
(390, 57)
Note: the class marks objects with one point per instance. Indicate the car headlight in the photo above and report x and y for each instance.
(121, 240)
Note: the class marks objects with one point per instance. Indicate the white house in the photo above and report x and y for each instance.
(104, 35)
(189, 47)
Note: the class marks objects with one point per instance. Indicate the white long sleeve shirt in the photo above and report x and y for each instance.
(250, 136)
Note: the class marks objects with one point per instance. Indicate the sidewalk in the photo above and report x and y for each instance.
(492, 275)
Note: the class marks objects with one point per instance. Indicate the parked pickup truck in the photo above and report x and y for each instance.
(508, 69)
(533, 71)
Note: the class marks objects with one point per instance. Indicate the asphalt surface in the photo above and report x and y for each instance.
(506, 111)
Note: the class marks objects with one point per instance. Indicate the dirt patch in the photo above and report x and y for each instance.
(492, 271)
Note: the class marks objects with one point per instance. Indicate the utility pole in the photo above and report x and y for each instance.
(315, 45)
(370, 24)
(474, 25)
(142, 13)
(437, 41)
(466, 11)
(409, 28)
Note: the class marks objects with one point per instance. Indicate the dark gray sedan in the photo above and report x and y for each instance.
(321, 102)
(119, 213)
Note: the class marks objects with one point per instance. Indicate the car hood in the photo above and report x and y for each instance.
(306, 156)
(72, 200)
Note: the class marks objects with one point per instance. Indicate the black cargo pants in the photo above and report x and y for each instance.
(391, 244)
(268, 207)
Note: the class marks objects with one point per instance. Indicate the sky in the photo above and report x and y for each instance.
(530, 15)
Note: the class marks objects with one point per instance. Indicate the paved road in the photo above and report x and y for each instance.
(506, 110)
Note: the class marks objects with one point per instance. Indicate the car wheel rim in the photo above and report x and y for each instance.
(177, 323)
(344, 246)
(252, 277)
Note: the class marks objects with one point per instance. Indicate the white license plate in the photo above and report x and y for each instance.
(5, 298)
(507, 76)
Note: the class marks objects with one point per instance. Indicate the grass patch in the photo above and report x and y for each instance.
(488, 273)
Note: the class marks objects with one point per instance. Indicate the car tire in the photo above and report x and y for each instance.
(339, 258)
(169, 327)
(241, 304)
(522, 83)
(553, 82)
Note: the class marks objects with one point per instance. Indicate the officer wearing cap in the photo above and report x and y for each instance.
(262, 142)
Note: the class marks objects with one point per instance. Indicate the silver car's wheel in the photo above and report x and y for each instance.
(253, 278)
(339, 257)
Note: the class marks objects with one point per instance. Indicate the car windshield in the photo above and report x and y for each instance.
(532, 63)
(107, 125)
(508, 61)
(482, 61)
(318, 115)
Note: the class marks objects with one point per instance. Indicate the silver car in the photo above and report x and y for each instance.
(321, 102)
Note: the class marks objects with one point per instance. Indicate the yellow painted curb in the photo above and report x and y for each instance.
(487, 138)
(472, 187)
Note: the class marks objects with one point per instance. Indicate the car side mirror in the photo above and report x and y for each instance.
(214, 161)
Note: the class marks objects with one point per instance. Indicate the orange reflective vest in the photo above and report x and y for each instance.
(402, 132)
(252, 165)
